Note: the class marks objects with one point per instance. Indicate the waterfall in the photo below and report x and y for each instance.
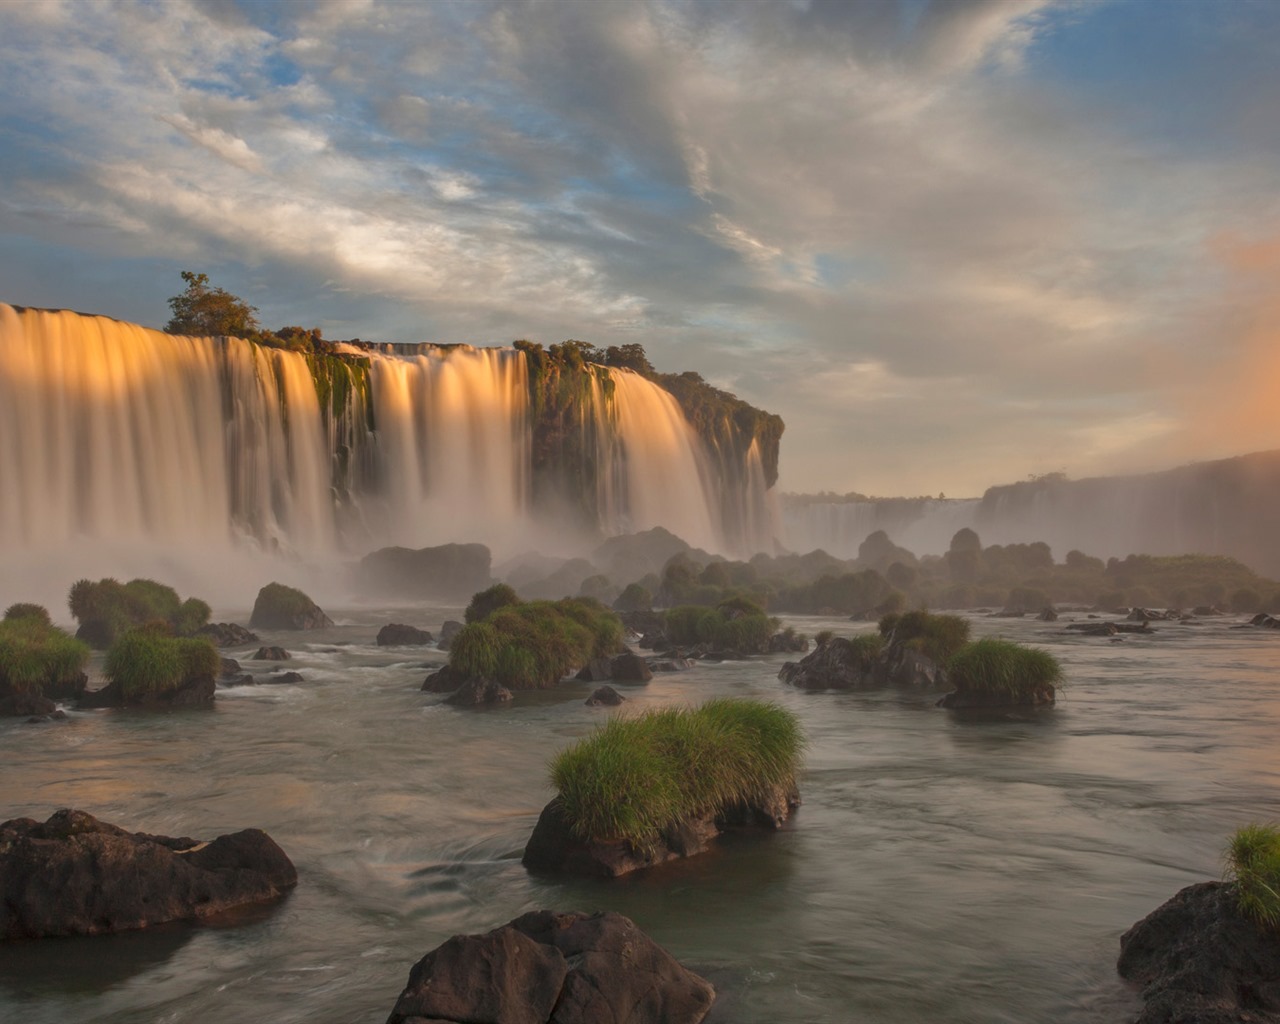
(115, 435)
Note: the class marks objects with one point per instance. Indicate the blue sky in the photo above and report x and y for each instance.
(952, 244)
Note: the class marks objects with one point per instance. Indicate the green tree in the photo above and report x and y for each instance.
(202, 311)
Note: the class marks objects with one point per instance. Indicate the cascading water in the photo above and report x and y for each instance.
(117, 435)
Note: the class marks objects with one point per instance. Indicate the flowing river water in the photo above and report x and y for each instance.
(941, 869)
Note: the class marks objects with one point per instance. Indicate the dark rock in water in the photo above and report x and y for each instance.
(1094, 628)
(994, 701)
(836, 665)
(230, 669)
(191, 693)
(1265, 621)
(1206, 611)
(398, 635)
(244, 679)
(672, 665)
(554, 848)
(66, 689)
(20, 705)
(604, 696)
(1200, 961)
(904, 666)
(286, 677)
(272, 654)
(596, 670)
(479, 691)
(446, 571)
(75, 875)
(547, 965)
(630, 668)
(228, 634)
(57, 715)
(446, 679)
(1048, 614)
(1132, 627)
(448, 631)
(281, 607)
(788, 642)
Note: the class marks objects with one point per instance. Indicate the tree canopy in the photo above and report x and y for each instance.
(203, 311)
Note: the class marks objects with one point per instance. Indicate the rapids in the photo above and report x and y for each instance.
(940, 869)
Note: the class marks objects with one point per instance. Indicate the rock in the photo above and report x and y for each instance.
(1094, 628)
(788, 641)
(20, 705)
(281, 607)
(191, 693)
(905, 666)
(65, 689)
(553, 847)
(993, 701)
(1048, 614)
(475, 692)
(1206, 611)
(604, 696)
(672, 665)
(397, 635)
(446, 571)
(596, 670)
(230, 668)
(571, 967)
(1265, 621)
(244, 679)
(75, 875)
(630, 668)
(1201, 962)
(286, 677)
(446, 679)
(272, 654)
(228, 634)
(448, 631)
(836, 665)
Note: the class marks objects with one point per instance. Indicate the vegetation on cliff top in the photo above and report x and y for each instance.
(635, 777)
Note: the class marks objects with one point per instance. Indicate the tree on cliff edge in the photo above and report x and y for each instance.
(202, 311)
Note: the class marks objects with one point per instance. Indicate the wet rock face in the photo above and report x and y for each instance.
(571, 967)
(76, 875)
(1200, 961)
(397, 634)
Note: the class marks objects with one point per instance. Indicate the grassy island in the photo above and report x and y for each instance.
(1253, 864)
(106, 608)
(637, 776)
(1001, 669)
(145, 662)
(35, 655)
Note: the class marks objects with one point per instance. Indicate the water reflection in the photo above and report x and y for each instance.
(86, 965)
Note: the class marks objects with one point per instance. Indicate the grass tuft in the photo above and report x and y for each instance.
(635, 777)
(1253, 863)
(1002, 668)
(145, 661)
(35, 654)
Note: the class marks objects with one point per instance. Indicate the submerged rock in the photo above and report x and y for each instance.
(228, 634)
(604, 696)
(479, 691)
(76, 875)
(272, 654)
(20, 705)
(1200, 961)
(569, 967)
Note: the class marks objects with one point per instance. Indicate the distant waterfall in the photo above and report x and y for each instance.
(114, 433)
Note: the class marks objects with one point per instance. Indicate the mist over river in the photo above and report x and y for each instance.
(940, 869)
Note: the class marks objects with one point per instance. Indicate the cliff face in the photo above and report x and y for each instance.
(1225, 507)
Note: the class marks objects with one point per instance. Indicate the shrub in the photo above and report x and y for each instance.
(634, 598)
(635, 777)
(743, 631)
(35, 654)
(935, 636)
(823, 637)
(26, 610)
(1253, 863)
(145, 662)
(485, 603)
(1002, 668)
(864, 649)
(106, 608)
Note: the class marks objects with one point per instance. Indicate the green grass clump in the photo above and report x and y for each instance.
(935, 636)
(635, 777)
(147, 662)
(106, 608)
(865, 649)
(1002, 668)
(35, 654)
(485, 603)
(737, 625)
(534, 644)
(27, 610)
(1253, 862)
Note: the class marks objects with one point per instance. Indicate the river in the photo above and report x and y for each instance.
(940, 869)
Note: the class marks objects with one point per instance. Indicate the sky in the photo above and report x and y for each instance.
(953, 244)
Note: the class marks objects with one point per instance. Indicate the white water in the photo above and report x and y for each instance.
(124, 450)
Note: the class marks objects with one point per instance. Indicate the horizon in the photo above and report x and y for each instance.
(953, 245)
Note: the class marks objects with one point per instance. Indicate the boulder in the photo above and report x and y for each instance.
(398, 635)
(75, 875)
(445, 679)
(20, 705)
(1265, 621)
(604, 696)
(197, 692)
(285, 677)
(835, 665)
(448, 631)
(569, 967)
(788, 641)
(596, 670)
(230, 669)
(1048, 614)
(554, 848)
(630, 668)
(447, 571)
(272, 654)
(243, 679)
(1200, 961)
(228, 634)
(1094, 628)
(281, 607)
(475, 692)
(675, 664)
